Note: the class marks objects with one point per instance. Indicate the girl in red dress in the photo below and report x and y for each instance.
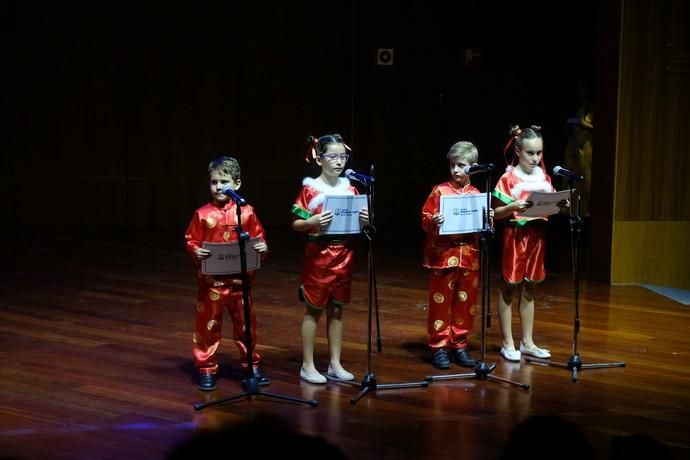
(524, 238)
(328, 260)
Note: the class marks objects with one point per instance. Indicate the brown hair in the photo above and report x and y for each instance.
(225, 165)
(517, 137)
(317, 146)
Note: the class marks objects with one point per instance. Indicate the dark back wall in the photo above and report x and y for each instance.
(112, 110)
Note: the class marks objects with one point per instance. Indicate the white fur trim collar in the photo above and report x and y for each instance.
(343, 185)
(536, 176)
(529, 182)
(341, 188)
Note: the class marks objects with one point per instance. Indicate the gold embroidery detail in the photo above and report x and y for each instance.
(460, 321)
(475, 282)
(473, 310)
(213, 294)
(226, 235)
(453, 261)
(438, 297)
(212, 325)
(195, 338)
(462, 295)
(210, 222)
(451, 283)
(438, 324)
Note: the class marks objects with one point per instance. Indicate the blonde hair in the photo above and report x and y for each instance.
(464, 150)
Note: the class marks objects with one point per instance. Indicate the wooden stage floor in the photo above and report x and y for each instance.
(96, 359)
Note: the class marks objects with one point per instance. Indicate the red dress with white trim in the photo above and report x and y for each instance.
(328, 262)
(524, 238)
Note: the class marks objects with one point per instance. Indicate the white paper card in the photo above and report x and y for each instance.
(345, 209)
(462, 213)
(544, 203)
(225, 258)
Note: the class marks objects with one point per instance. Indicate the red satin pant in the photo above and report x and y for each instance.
(212, 301)
(452, 306)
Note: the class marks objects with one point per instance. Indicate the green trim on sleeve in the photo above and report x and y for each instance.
(502, 196)
(300, 212)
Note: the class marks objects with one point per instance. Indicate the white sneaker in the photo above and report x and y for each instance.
(315, 378)
(511, 354)
(342, 375)
(535, 351)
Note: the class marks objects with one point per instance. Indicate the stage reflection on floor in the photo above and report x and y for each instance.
(96, 342)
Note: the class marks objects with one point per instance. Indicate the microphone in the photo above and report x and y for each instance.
(352, 175)
(479, 168)
(234, 195)
(566, 173)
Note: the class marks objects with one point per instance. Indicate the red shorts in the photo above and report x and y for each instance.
(327, 274)
(523, 253)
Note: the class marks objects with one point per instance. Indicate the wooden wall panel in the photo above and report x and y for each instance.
(654, 113)
(652, 199)
(651, 252)
(69, 203)
(604, 139)
(143, 97)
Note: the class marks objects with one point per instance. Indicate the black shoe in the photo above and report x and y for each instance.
(463, 358)
(207, 383)
(440, 359)
(261, 379)
(300, 295)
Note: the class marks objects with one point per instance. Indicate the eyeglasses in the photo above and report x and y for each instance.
(336, 156)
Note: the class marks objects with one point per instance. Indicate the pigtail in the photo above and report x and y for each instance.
(312, 149)
(316, 146)
(515, 132)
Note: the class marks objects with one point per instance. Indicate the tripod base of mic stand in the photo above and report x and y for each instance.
(369, 384)
(574, 364)
(482, 371)
(250, 386)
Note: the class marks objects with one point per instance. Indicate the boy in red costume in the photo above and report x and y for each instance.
(454, 264)
(216, 222)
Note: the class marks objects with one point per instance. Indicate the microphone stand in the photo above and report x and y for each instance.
(250, 384)
(369, 382)
(482, 370)
(574, 364)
